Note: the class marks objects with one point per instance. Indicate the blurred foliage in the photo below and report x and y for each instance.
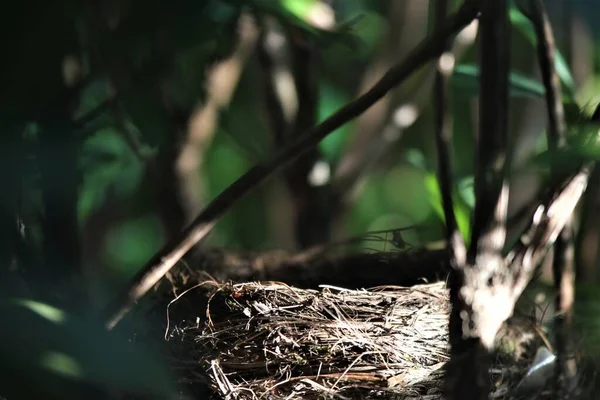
(117, 173)
(50, 353)
(161, 50)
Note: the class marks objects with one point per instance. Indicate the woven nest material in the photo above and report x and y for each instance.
(272, 341)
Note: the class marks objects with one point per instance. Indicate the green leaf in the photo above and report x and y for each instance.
(583, 145)
(462, 211)
(109, 167)
(131, 243)
(61, 364)
(331, 99)
(291, 13)
(47, 357)
(466, 190)
(466, 80)
(46, 311)
(300, 8)
(524, 25)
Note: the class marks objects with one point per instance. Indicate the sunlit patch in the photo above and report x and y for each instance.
(317, 13)
(286, 92)
(540, 298)
(468, 34)
(274, 40)
(71, 70)
(61, 364)
(320, 174)
(46, 311)
(405, 115)
(321, 15)
(446, 63)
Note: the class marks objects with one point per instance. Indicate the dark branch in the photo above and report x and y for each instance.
(557, 127)
(443, 135)
(479, 307)
(563, 260)
(308, 270)
(546, 224)
(314, 216)
(150, 274)
(270, 61)
(492, 148)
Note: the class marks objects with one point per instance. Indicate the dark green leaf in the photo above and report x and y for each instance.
(524, 25)
(465, 80)
(55, 353)
(462, 211)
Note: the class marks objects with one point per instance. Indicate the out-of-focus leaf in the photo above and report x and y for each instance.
(465, 80)
(61, 364)
(282, 10)
(133, 242)
(588, 94)
(94, 94)
(109, 167)
(243, 226)
(331, 99)
(370, 30)
(369, 206)
(462, 211)
(409, 202)
(47, 311)
(524, 25)
(48, 358)
(584, 145)
(300, 8)
(416, 158)
(225, 163)
(467, 194)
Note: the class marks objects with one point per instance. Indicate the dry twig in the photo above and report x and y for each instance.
(563, 259)
(278, 342)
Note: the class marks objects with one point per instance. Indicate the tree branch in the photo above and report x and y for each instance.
(309, 270)
(563, 260)
(159, 265)
(443, 130)
(479, 304)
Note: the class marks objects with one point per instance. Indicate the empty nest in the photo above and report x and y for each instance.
(273, 341)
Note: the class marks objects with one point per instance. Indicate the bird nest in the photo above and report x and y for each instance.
(273, 341)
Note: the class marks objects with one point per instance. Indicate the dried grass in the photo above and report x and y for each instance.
(272, 341)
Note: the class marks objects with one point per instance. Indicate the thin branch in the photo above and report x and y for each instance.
(492, 144)
(557, 127)
(150, 274)
(546, 224)
(479, 306)
(443, 130)
(563, 260)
